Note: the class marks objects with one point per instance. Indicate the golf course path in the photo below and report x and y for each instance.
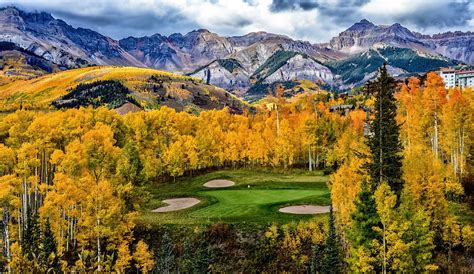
(177, 204)
(219, 183)
(305, 209)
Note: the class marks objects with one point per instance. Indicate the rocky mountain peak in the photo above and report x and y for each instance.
(398, 29)
(364, 34)
(199, 32)
(33, 17)
(361, 25)
(59, 42)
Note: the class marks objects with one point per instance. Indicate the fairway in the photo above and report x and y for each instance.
(247, 202)
(255, 198)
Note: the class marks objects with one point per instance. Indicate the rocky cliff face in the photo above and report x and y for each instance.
(222, 74)
(59, 42)
(182, 53)
(269, 65)
(364, 34)
(455, 45)
(301, 67)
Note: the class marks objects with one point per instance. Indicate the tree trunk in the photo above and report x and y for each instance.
(380, 140)
(6, 234)
(435, 138)
(278, 120)
(384, 252)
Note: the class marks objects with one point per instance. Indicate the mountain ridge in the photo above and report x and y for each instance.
(232, 62)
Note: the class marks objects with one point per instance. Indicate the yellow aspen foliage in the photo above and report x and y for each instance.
(7, 160)
(452, 233)
(17, 261)
(467, 237)
(425, 181)
(124, 257)
(345, 182)
(6, 189)
(457, 124)
(410, 115)
(143, 258)
(407, 240)
(365, 260)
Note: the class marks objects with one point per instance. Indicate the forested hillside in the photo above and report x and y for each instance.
(146, 88)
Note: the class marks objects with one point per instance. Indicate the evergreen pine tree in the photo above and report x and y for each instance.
(185, 264)
(385, 164)
(203, 255)
(365, 218)
(49, 247)
(332, 258)
(31, 236)
(165, 258)
(316, 259)
(384, 140)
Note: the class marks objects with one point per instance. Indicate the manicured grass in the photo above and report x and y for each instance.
(256, 197)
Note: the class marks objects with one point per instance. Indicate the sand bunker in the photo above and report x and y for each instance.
(219, 183)
(177, 204)
(305, 209)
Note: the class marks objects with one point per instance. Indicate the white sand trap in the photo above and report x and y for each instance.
(177, 204)
(305, 209)
(219, 183)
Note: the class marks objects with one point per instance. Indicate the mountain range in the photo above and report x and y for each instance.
(246, 65)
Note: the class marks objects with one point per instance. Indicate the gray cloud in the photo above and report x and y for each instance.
(442, 14)
(314, 20)
(283, 5)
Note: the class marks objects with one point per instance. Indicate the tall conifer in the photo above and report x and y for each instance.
(384, 140)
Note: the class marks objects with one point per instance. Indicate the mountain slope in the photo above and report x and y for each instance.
(56, 41)
(148, 88)
(178, 52)
(364, 35)
(455, 45)
(186, 53)
(359, 68)
(17, 63)
(281, 66)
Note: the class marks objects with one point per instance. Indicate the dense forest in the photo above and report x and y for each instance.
(73, 182)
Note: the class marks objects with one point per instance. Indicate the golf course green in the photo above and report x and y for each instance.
(256, 197)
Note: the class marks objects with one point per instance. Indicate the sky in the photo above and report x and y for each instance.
(311, 20)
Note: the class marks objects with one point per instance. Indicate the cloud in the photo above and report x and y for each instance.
(426, 16)
(280, 5)
(313, 20)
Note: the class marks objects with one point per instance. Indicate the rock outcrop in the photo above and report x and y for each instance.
(55, 40)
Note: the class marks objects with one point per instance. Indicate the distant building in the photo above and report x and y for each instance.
(457, 78)
(465, 78)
